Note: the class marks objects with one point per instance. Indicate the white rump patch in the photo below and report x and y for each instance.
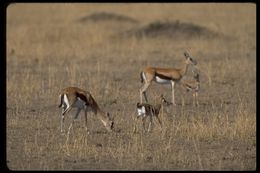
(66, 100)
(162, 81)
(141, 111)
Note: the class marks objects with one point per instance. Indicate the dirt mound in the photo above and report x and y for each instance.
(174, 29)
(103, 16)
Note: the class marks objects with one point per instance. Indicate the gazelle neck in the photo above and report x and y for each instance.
(158, 106)
(95, 107)
(101, 114)
(183, 70)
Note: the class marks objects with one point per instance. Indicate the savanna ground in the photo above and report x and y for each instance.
(102, 48)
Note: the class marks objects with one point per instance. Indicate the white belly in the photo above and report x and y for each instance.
(79, 104)
(162, 81)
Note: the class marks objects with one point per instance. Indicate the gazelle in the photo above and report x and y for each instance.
(75, 97)
(164, 76)
(194, 86)
(145, 110)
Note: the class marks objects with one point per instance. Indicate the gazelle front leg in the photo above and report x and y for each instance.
(173, 87)
(159, 121)
(76, 116)
(196, 98)
(150, 123)
(182, 101)
(86, 121)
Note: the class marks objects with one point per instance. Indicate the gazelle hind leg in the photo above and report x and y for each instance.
(64, 111)
(135, 122)
(143, 92)
(62, 123)
(61, 100)
(86, 121)
(145, 96)
(67, 103)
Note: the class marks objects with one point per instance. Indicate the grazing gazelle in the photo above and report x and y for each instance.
(194, 86)
(75, 97)
(164, 76)
(145, 110)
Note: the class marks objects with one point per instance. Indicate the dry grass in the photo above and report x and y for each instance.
(48, 49)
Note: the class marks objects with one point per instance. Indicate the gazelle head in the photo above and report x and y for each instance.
(109, 123)
(189, 59)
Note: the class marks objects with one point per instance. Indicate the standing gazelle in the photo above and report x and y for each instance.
(193, 86)
(145, 110)
(75, 97)
(164, 76)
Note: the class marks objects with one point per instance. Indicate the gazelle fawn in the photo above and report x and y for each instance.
(75, 97)
(164, 76)
(193, 86)
(145, 110)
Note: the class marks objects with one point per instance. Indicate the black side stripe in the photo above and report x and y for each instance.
(82, 97)
(89, 102)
